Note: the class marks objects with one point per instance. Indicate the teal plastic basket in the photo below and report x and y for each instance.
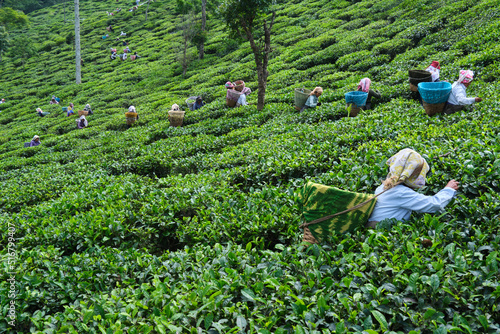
(434, 92)
(357, 98)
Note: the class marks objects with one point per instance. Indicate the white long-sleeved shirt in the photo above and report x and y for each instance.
(458, 96)
(400, 201)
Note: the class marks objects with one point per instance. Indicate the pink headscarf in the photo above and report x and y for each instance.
(364, 85)
(466, 76)
(229, 85)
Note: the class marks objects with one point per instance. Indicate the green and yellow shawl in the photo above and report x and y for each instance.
(318, 201)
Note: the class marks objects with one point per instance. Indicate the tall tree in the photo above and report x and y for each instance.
(78, 57)
(253, 20)
(201, 48)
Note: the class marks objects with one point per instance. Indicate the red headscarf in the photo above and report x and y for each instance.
(435, 64)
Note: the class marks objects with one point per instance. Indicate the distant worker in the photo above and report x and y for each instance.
(41, 113)
(70, 110)
(53, 100)
(312, 100)
(123, 34)
(2, 101)
(364, 86)
(82, 122)
(126, 50)
(88, 109)
(123, 56)
(458, 99)
(34, 142)
(134, 56)
(434, 69)
(198, 103)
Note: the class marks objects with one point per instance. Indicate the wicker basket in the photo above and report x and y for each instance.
(83, 112)
(434, 92)
(131, 117)
(230, 103)
(239, 85)
(176, 117)
(352, 110)
(418, 76)
(301, 96)
(190, 101)
(433, 109)
(308, 237)
(233, 95)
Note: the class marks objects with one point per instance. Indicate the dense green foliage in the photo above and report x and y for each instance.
(155, 229)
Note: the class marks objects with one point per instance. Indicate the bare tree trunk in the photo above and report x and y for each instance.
(184, 57)
(261, 59)
(203, 27)
(77, 43)
(147, 10)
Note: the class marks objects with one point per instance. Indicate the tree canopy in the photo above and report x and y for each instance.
(11, 18)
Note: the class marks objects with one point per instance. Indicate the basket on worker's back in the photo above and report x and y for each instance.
(131, 117)
(190, 101)
(176, 117)
(318, 201)
(434, 96)
(239, 85)
(301, 96)
(434, 92)
(83, 112)
(232, 97)
(418, 76)
(352, 110)
(357, 97)
(65, 109)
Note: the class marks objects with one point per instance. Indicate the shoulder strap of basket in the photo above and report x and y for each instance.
(319, 220)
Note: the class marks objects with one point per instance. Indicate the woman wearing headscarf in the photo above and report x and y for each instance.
(434, 69)
(397, 199)
(364, 86)
(198, 103)
(35, 141)
(312, 100)
(88, 109)
(70, 110)
(82, 122)
(41, 113)
(458, 98)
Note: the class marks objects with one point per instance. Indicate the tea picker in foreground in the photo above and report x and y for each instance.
(364, 86)
(407, 171)
(312, 100)
(458, 99)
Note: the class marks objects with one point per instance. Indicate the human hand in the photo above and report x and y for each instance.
(453, 185)
(478, 99)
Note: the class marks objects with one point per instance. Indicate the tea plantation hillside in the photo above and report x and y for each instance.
(195, 229)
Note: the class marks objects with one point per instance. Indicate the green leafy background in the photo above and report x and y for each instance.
(156, 229)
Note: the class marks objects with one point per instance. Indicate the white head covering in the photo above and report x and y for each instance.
(131, 109)
(38, 110)
(35, 137)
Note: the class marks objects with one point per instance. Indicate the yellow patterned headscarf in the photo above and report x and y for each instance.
(407, 166)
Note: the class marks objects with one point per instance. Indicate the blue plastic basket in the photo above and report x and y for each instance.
(434, 92)
(358, 98)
